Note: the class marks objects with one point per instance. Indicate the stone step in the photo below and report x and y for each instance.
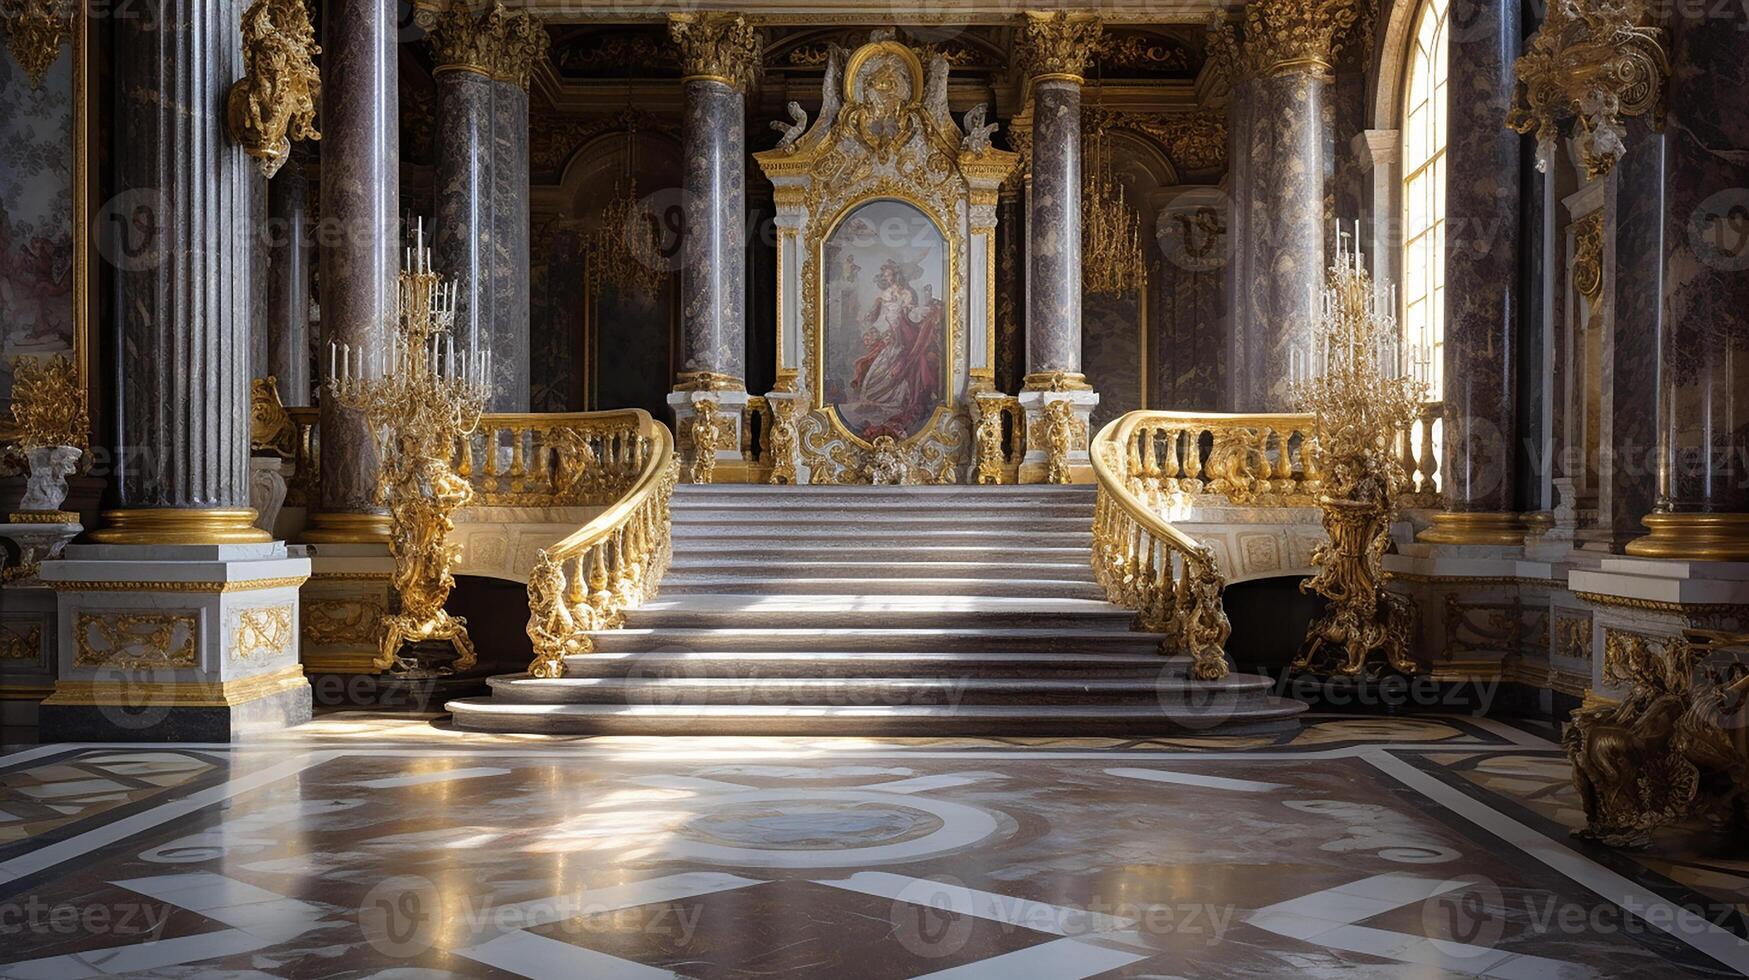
(870, 664)
(761, 567)
(783, 550)
(925, 492)
(833, 692)
(1255, 715)
(695, 583)
(1075, 641)
(987, 514)
(877, 611)
(991, 539)
(911, 526)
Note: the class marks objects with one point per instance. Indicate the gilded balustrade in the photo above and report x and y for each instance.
(999, 438)
(611, 564)
(569, 459)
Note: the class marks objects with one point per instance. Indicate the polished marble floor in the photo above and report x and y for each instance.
(364, 846)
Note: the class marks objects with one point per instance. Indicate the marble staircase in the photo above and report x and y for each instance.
(878, 611)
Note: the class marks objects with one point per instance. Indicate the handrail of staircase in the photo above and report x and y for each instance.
(1146, 564)
(614, 562)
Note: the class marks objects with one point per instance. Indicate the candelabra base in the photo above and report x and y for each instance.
(417, 630)
(1341, 643)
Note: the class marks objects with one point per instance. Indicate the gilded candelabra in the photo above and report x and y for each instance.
(419, 396)
(1361, 384)
(1111, 231)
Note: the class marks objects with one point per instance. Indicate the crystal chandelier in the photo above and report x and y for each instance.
(1111, 231)
(1362, 386)
(625, 247)
(419, 396)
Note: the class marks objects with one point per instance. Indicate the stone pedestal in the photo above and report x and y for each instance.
(731, 413)
(1653, 601)
(27, 613)
(1035, 465)
(176, 643)
(343, 606)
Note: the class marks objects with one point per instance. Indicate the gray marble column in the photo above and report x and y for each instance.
(1053, 314)
(1482, 294)
(288, 283)
(1703, 347)
(359, 237)
(182, 268)
(712, 280)
(482, 67)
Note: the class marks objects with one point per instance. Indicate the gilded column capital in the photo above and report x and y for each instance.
(718, 47)
(1060, 45)
(1281, 37)
(36, 30)
(498, 43)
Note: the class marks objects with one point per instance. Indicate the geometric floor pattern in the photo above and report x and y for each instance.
(383, 847)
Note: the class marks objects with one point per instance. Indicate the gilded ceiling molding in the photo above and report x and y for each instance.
(717, 47)
(1596, 61)
(1191, 140)
(35, 31)
(1060, 45)
(503, 45)
(275, 100)
(1282, 37)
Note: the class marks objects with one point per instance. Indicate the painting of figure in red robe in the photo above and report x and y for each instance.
(885, 316)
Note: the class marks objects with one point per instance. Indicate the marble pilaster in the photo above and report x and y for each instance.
(1482, 294)
(360, 243)
(463, 183)
(184, 331)
(509, 266)
(1703, 438)
(288, 284)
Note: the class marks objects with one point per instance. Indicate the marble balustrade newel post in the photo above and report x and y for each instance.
(1058, 49)
(359, 238)
(1282, 161)
(1482, 204)
(482, 68)
(720, 56)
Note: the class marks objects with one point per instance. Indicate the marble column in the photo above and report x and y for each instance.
(359, 238)
(288, 283)
(1282, 157)
(1058, 48)
(1482, 293)
(719, 55)
(1702, 509)
(482, 67)
(179, 621)
(184, 305)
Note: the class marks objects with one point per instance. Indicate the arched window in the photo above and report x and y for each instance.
(1423, 129)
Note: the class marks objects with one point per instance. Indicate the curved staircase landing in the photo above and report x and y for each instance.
(887, 611)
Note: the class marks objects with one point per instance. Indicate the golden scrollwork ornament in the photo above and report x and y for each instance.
(275, 100)
(35, 31)
(707, 432)
(1282, 36)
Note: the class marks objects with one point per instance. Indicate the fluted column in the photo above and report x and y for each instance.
(359, 239)
(288, 283)
(1056, 50)
(1282, 150)
(183, 310)
(482, 67)
(1702, 510)
(1481, 280)
(719, 55)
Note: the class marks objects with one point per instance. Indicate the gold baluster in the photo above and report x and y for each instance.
(1429, 461)
(1193, 456)
(1171, 469)
(1284, 464)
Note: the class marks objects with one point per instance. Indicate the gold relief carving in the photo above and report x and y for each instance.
(275, 100)
(241, 585)
(1060, 45)
(344, 620)
(1661, 606)
(48, 404)
(270, 426)
(1595, 61)
(988, 440)
(19, 641)
(135, 640)
(706, 434)
(36, 30)
(1573, 637)
(1588, 256)
(707, 381)
(1281, 36)
(503, 45)
(717, 47)
(1670, 749)
(1064, 433)
(1144, 52)
(784, 442)
(261, 633)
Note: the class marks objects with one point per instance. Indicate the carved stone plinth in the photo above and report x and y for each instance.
(1056, 438)
(344, 607)
(175, 642)
(729, 407)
